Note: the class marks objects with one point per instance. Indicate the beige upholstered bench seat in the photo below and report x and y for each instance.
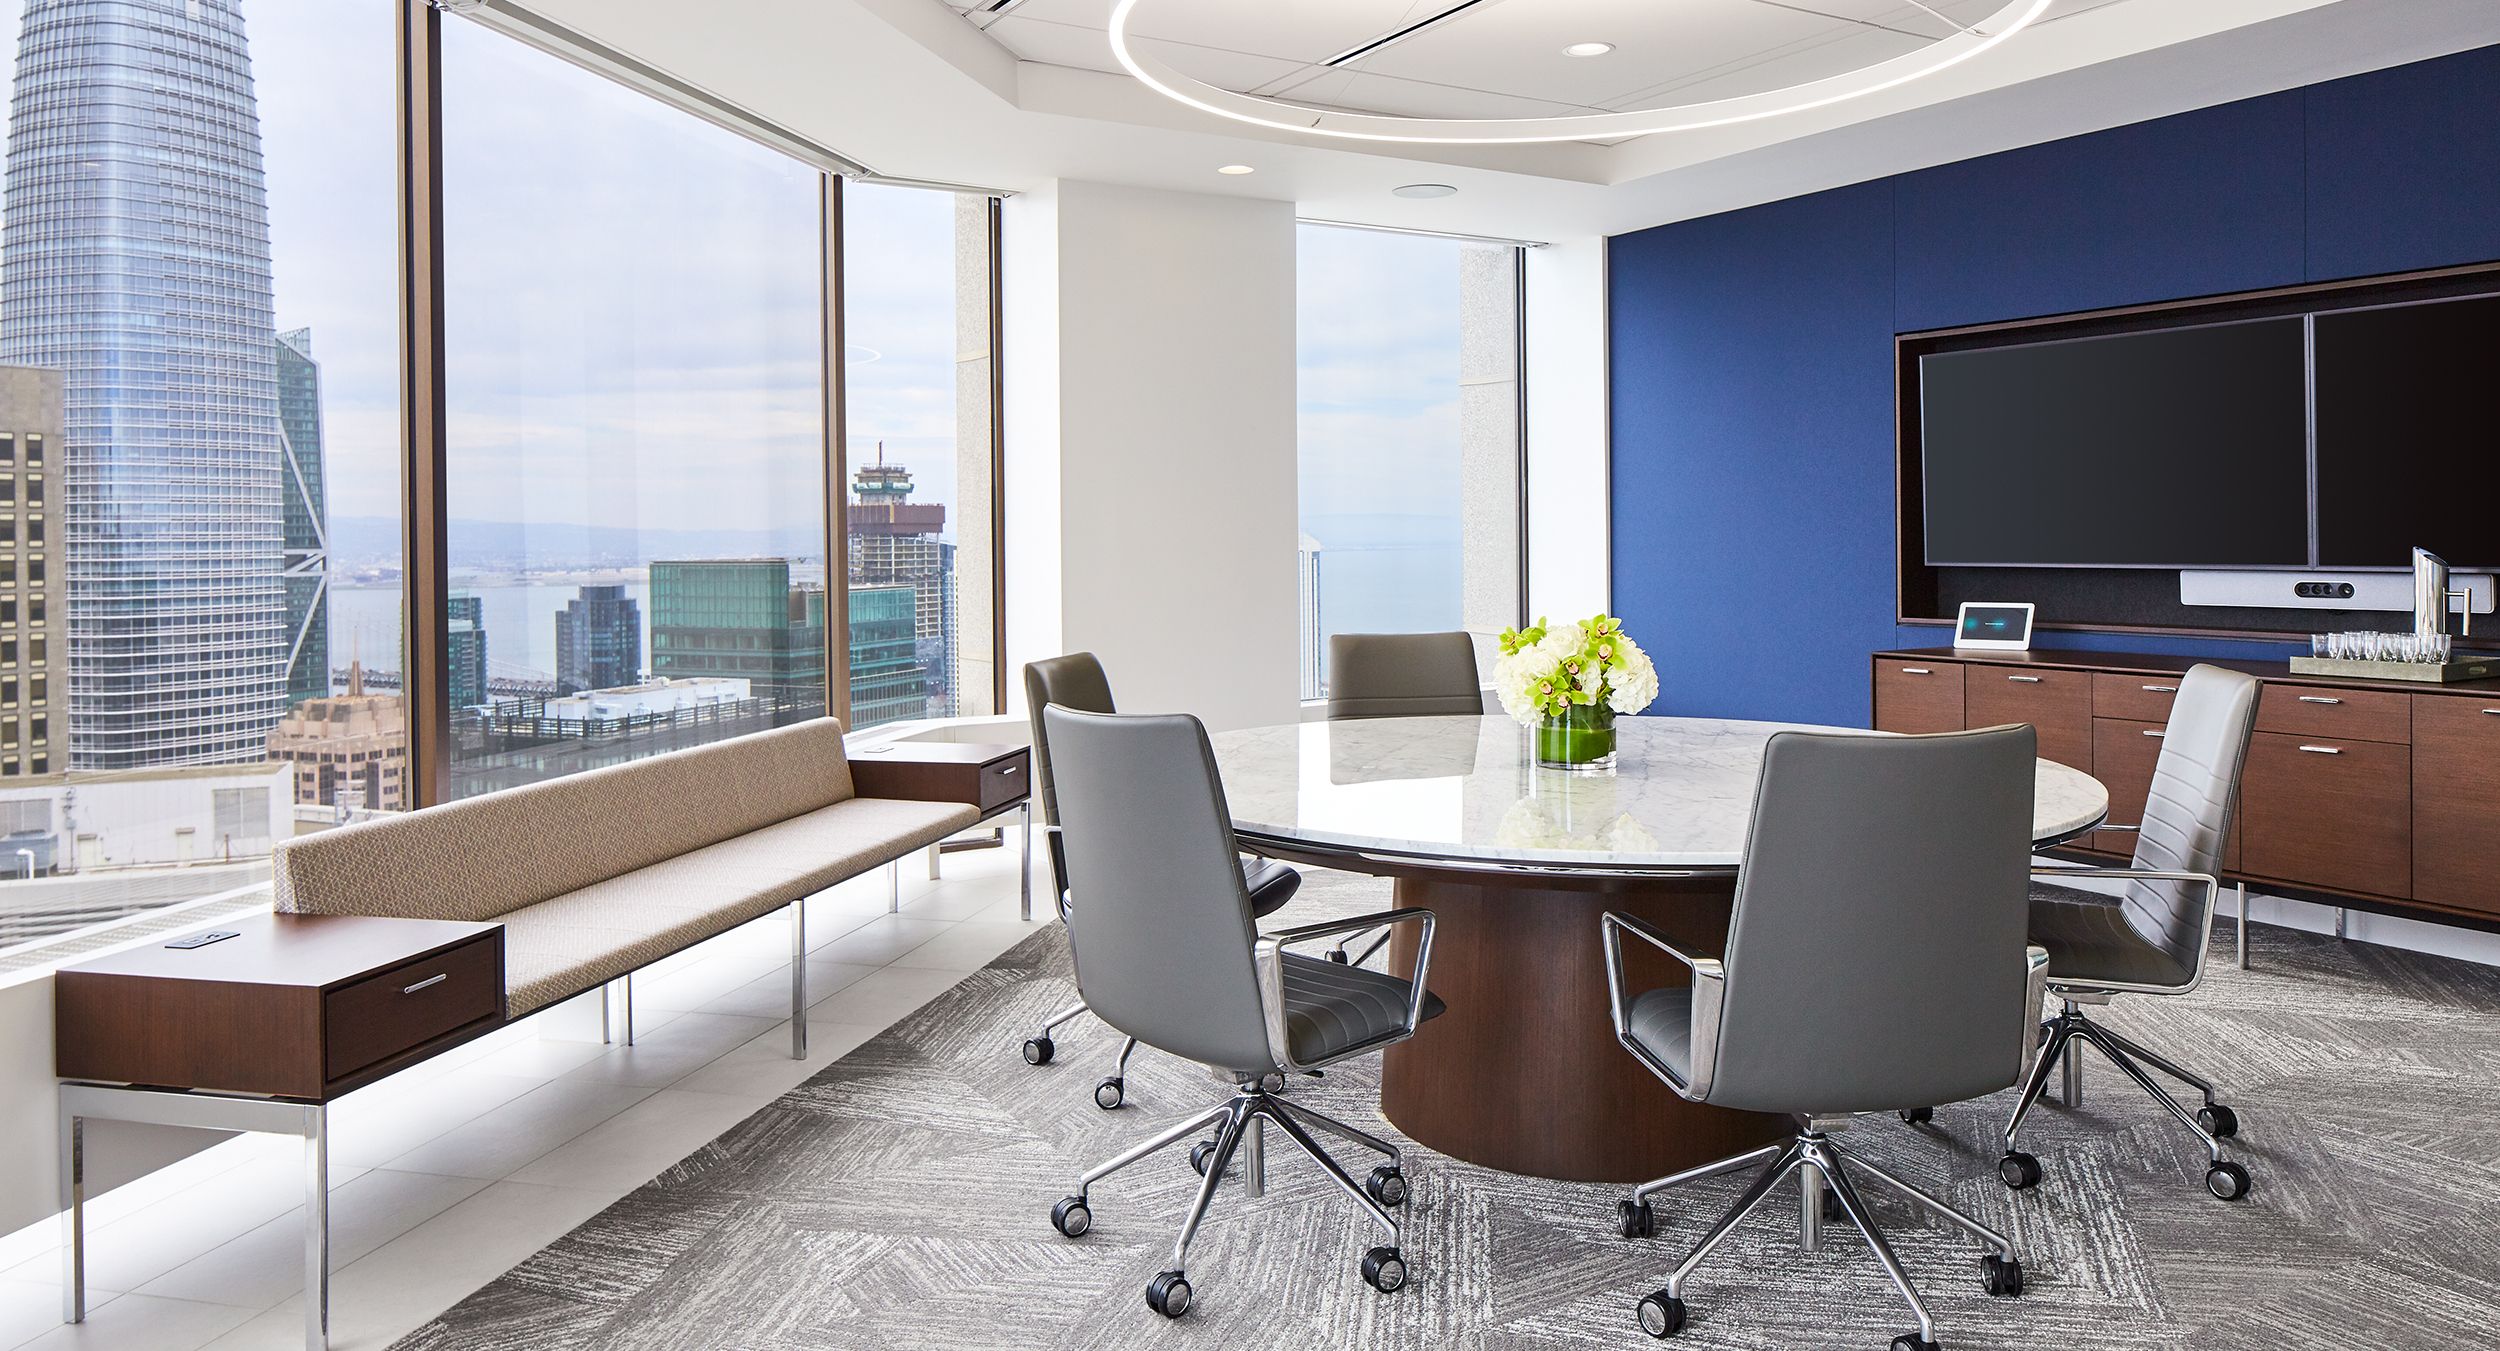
(596, 875)
(582, 939)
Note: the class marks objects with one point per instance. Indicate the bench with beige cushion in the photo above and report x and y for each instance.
(598, 874)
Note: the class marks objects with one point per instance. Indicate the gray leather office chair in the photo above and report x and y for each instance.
(1077, 681)
(1875, 962)
(2152, 939)
(1402, 675)
(1166, 952)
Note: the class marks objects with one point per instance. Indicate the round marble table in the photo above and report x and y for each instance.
(1523, 1072)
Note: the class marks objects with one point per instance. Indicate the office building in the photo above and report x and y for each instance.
(307, 519)
(137, 240)
(598, 640)
(467, 650)
(349, 751)
(741, 618)
(897, 542)
(33, 582)
(1769, 673)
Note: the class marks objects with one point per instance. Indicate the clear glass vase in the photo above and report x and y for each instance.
(1580, 739)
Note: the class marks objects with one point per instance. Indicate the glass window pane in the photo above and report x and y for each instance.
(1409, 427)
(199, 387)
(916, 310)
(634, 342)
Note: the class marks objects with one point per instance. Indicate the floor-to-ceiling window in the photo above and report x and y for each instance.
(1410, 433)
(198, 452)
(917, 310)
(634, 422)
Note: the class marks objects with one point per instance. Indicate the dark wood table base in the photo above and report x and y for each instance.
(1523, 1072)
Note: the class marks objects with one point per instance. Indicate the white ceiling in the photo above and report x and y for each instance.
(922, 89)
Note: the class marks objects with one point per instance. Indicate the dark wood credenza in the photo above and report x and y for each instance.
(2376, 793)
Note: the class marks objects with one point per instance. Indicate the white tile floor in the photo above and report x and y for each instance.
(446, 1176)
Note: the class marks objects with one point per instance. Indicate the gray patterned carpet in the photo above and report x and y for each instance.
(900, 1200)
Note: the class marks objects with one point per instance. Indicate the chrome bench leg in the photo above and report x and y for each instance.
(798, 979)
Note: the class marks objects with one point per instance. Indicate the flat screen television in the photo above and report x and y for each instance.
(2408, 409)
(2176, 448)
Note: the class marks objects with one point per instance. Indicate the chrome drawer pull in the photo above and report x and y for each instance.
(2323, 750)
(2152, 731)
(2159, 689)
(1004, 770)
(2495, 712)
(1916, 670)
(2024, 680)
(436, 979)
(2318, 699)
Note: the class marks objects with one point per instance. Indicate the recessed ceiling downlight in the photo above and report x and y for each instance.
(1588, 49)
(1236, 169)
(1424, 190)
(1967, 40)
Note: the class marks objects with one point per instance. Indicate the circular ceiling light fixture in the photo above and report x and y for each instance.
(1236, 169)
(1966, 41)
(1424, 191)
(1588, 49)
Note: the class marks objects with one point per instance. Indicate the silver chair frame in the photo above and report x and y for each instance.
(1240, 1122)
(1811, 1154)
(2061, 1034)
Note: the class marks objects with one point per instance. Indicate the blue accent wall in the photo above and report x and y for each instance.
(1752, 377)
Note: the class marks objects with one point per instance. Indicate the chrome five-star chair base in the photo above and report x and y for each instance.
(1819, 1164)
(2211, 1123)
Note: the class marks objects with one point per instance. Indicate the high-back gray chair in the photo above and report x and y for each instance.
(2153, 937)
(1876, 961)
(1166, 952)
(1402, 675)
(1077, 681)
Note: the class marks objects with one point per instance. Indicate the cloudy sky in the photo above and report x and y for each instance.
(632, 301)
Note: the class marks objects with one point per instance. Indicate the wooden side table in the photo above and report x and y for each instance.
(997, 779)
(259, 1031)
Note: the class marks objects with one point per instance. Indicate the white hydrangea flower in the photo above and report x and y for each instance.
(1634, 679)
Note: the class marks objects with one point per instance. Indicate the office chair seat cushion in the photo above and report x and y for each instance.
(2088, 938)
(1662, 1022)
(1271, 884)
(1332, 1008)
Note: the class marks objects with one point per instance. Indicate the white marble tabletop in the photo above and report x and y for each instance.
(1467, 788)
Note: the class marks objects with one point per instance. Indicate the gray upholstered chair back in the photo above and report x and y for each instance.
(1402, 675)
(1876, 958)
(1162, 929)
(1073, 681)
(2187, 818)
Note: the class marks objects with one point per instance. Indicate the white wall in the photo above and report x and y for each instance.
(1151, 445)
(1568, 523)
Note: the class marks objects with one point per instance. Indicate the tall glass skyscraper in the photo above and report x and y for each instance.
(136, 262)
(307, 520)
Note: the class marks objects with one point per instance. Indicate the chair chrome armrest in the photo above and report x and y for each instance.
(1270, 962)
(1709, 982)
(2205, 927)
(2036, 989)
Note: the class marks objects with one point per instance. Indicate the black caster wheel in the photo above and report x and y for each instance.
(1387, 1185)
(1038, 1050)
(1338, 956)
(1662, 1315)
(1384, 1269)
(1918, 1116)
(2019, 1171)
(2001, 1276)
(1072, 1217)
(1201, 1156)
(1110, 1093)
(1168, 1294)
(2227, 1181)
(1911, 1341)
(2219, 1121)
(1639, 1220)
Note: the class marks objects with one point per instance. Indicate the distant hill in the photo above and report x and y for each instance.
(360, 540)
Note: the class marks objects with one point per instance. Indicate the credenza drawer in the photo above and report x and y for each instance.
(1918, 696)
(409, 1005)
(2326, 711)
(1003, 781)
(2456, 802)
(2331, 813)
(2057, 703)
(2137, 698)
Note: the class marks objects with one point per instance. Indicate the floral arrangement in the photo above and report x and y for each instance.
(1544, 673)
